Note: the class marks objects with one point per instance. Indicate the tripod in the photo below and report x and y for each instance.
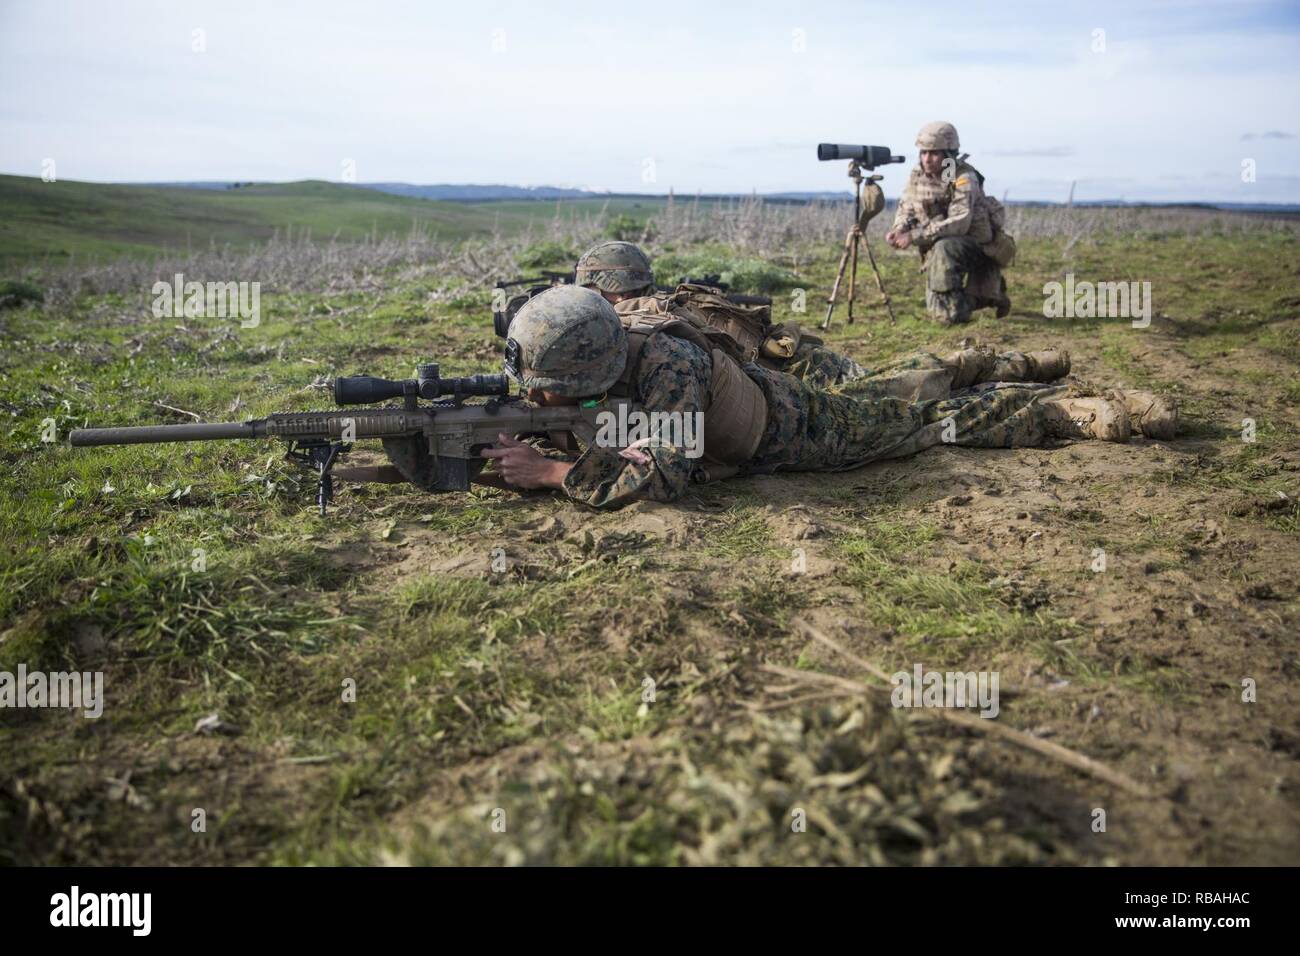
(864, 210)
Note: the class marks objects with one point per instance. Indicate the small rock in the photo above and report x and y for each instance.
(1261, 592)
(120, 789)
(213, 724)
(89, 640)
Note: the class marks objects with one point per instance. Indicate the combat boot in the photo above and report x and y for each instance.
(1049, 364)
(1004, 301)
(1045, 366)
(1087, 418)
(950, 308)
(971, 365)
(1155, 416)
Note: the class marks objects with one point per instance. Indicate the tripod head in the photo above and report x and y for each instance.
(855, 174)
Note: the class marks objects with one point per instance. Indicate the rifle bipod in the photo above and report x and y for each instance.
(319, 455)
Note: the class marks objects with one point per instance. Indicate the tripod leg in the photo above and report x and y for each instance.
(830, 305)
(853, 275)
(880, 282)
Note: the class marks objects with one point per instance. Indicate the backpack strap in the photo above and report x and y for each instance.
(639, 327)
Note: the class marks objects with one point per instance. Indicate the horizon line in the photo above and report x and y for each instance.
(587, 192)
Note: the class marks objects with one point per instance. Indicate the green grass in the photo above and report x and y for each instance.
(943, 615)
(743, 532)
(740, 273)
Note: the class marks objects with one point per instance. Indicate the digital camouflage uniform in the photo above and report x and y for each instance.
(948, 220)
(808, 429)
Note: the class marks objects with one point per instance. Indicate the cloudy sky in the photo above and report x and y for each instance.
(1134, 100)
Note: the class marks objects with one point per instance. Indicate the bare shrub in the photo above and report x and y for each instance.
(753, 226)
(789, 234)
(300, 263)
(784, 232)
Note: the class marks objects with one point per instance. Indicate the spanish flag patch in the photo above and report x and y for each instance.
(962, 181)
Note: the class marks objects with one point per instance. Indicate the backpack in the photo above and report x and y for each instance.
(749, 325)
(743, 330)
(1002, 248)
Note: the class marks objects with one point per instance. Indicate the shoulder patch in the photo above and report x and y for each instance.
(962, 181)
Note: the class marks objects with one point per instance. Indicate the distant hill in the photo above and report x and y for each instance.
(67, 218)
(483, 193)
(473, 192)
(467, 193)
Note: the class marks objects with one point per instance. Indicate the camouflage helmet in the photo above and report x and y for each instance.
(938, 135)
(567, 340)
(614, 267)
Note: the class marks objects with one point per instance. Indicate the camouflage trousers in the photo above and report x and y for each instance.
(960, 279)
(914, 377)
(823, 367)
(810, 429)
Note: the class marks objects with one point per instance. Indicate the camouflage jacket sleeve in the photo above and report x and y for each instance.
(966, 195)
(674, 376)
(907, 206)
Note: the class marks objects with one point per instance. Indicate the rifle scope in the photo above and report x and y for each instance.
(867, 156)
(367, 389)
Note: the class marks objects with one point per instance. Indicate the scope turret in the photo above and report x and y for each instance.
(428, 384)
